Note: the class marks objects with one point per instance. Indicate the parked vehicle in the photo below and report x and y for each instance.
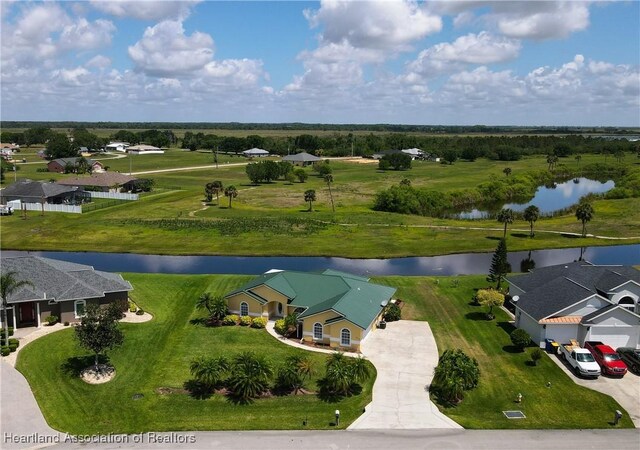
(580, 359)
(610, 362)
(6, 210)
(631, 357)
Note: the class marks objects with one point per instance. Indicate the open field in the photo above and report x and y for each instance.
(156, 355)
(261, 216)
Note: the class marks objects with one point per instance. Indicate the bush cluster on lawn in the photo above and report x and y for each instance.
(245, 321)
(259, 322)
(392, 312)
(520, 338)
(231, 319)
(455, 373)
(247, 376)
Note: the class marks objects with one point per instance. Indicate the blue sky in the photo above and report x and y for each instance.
(450, 62)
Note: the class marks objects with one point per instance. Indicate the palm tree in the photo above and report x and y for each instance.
(578, 159)
(359, 369)
(310, 196)
(454, 374)
(531, 214)
(217, 188)
(294, 373)
(584, 213)
(231, 192)
(507, 171)
(551, 161)
(338, 374)
(209, 371)
(505, 216)
(215, 306)
(328, 178)
(8, 285)
(250, 376)
(205, 301)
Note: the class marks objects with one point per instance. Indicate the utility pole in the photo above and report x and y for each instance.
(216, 156)
(130, 163)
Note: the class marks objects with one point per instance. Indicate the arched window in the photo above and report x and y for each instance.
(628, 303)
(317, 330)
(79, 308)
(345, 337)
(279, 308)
(244, 309)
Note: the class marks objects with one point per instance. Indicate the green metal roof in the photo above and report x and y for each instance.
(350, 296)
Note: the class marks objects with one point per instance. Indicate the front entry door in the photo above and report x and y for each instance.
(27, 314)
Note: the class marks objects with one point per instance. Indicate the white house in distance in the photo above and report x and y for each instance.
(143, 149)
(413, 152)
(255, 153)
(579, 301)
(116, 146)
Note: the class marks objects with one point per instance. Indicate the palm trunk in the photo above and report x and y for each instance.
(96, 361)
(531, 233)
(584, 229)
(310, 206)
(229, 202)
(5, 324)
(333, 208)
(505, 231)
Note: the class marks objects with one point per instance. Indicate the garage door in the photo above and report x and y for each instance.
(616, 336)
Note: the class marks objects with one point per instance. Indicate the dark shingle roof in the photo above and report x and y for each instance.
(551, 289)
(59, 280)
(104, 179)
(73, 161)
(35, 189)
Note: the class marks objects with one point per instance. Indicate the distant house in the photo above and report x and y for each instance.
(415, 153)
(59, 165)
(579, 301)
(28, 191)
(255, 153)
(58, 288)
(334, 308)
(143, 149)
(302, 159)
(116, 146)
(102, 182)
(6, 153)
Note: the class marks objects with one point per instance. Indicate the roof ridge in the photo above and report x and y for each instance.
(575, 282)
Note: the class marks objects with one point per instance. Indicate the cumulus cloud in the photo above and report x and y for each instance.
(99, 61)
(85, 35)
(389, 25)
(146, 9)
(482, 48)
(165, 50)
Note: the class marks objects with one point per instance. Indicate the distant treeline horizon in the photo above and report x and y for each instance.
(300, 126)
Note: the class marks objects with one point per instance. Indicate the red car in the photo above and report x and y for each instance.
(607, 358)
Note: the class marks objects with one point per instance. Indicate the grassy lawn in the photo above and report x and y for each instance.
(360, 230)
(156, 355)
(458, 324)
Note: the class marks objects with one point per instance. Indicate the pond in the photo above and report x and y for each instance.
(548, 198)
(461, 264)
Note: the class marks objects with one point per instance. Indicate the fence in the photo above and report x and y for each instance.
(49, 207)
(114, 195)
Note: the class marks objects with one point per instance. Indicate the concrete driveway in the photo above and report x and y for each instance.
(625, 391)
(405, 355)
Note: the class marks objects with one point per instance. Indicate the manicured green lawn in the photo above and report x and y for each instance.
(361, 231)
(156, 354)
(458, 324)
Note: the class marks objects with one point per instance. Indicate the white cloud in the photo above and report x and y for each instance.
(85, 35)
(146, 9)
(388, 25)
(233, 72)
(482, 48)
(99, 61)
(72, 77)
(165, 50)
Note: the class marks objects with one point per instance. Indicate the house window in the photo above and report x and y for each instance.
(79, 307)
(345, 338)
(244, 309)
(280, 309)
(628, 303)
(317, 330)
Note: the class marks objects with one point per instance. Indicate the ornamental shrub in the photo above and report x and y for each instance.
(5, 351)
(520, 338)
(14, 342)
(13, 347)
(536, 355)
(66, 324)
(51, 320)
(280, 327)
(231, 319)
(140, 312)
(245, 321)
(259, 322)
(392, 312)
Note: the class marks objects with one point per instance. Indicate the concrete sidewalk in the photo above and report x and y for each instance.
(404, 354)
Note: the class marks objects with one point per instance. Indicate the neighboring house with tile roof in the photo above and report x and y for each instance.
(334, 308)
(59, 288)
(580, 301)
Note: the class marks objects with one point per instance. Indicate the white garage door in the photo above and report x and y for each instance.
(616, 336)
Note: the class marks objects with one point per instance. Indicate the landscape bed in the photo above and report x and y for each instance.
(155, 359)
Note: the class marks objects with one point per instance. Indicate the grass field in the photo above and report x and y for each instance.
(139, 227)
(156, 355)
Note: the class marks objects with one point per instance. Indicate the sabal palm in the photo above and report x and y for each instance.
(8, 285)
(328, 178)
(231, 192)
(531, 214)
(205, 301)
(505, 216)
(250, 376)
(217, 188)
(310, 197)
(209, 371)
(584, 213)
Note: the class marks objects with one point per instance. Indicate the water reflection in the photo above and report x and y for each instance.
(462, 264)
(549, 198)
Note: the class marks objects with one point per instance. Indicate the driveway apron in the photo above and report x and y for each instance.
(404, 354)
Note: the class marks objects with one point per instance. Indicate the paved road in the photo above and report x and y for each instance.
(405, 354)
(19, 411)
(383, 440)
(625, 391)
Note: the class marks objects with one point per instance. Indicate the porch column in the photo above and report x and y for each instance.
(38, 314)
(15, 324)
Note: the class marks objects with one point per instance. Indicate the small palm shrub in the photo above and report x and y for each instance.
(231, 319)
(392, 312)
(520, 338)
(245, 321)
(455, 373)
(51, 320)
(250, 376)
(536, 355)
(132, 306)
(139, 312)
(259, 322)
(280, 327)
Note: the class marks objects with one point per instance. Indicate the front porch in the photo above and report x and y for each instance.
(23, 315)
